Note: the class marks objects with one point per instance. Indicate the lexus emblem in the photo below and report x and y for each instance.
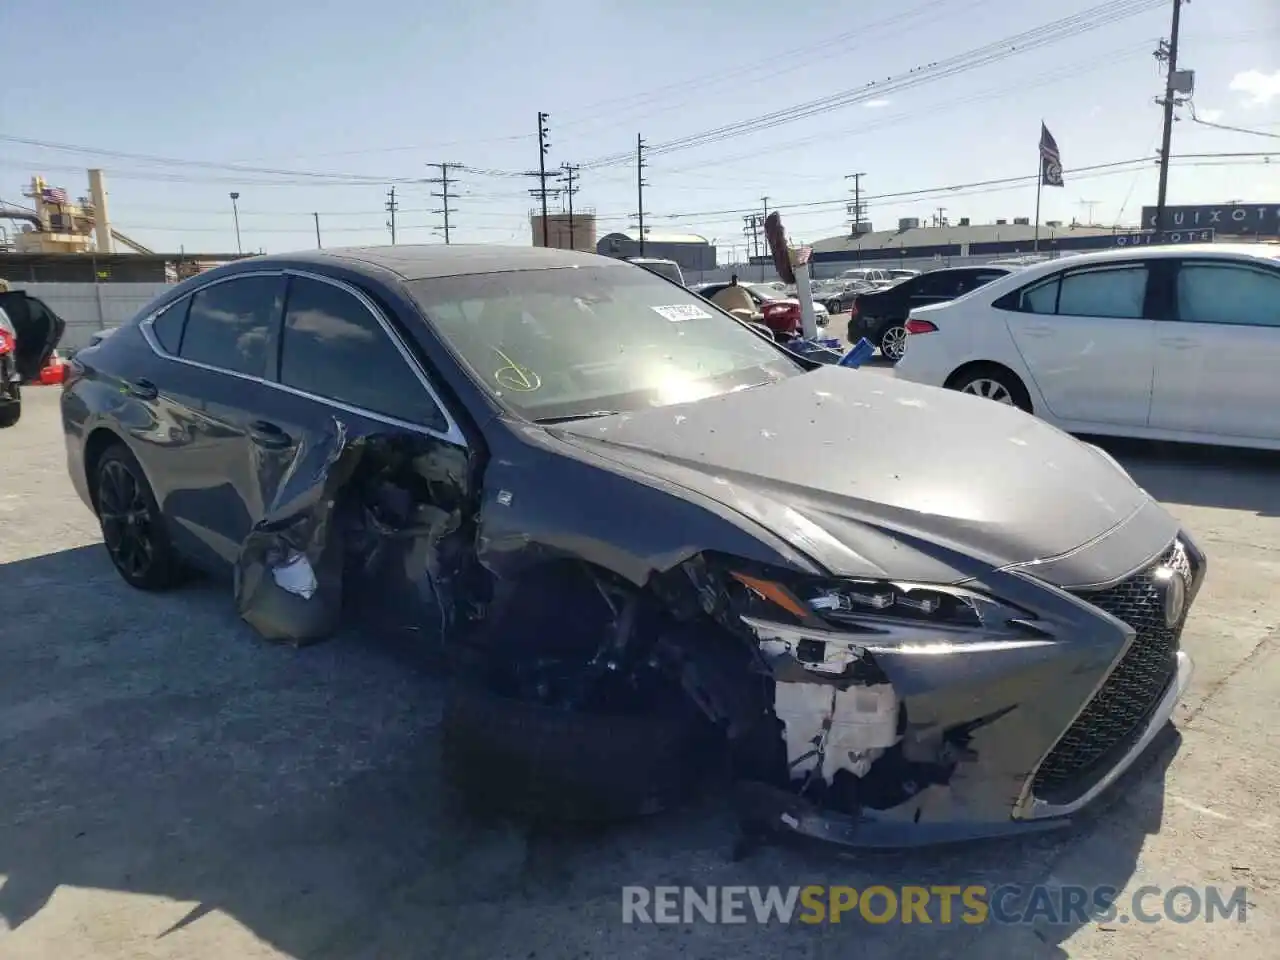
(1173, 591)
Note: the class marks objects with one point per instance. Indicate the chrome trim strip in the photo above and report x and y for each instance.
(1035, 809)
(452, 433)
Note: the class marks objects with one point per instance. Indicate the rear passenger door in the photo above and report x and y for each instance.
(1088, 341)
(218, 344)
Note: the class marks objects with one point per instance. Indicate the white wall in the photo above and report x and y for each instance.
(89, 307)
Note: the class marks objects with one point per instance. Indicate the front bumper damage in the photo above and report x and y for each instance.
(904, 744)
(888, 737)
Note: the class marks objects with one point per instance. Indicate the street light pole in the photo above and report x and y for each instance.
(235, 213)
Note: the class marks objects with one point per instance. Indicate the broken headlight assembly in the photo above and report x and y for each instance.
(827, 623)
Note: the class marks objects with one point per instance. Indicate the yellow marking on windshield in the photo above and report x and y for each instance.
(515, 377)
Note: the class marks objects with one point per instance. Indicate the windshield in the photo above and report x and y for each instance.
(555, 344)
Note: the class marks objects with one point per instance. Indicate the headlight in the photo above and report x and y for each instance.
(871, 604)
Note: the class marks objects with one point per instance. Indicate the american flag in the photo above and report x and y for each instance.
(54, 195)
(1050, 159)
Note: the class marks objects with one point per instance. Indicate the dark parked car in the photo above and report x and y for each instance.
(639, 532)
(29, 333)
(881, 317)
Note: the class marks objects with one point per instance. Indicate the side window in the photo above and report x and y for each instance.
(333, 347)
(931, 285)
(168, 323)
(1228, 294)
(986, 276)
(1042, 298)
(1117, 293)
(231, 323)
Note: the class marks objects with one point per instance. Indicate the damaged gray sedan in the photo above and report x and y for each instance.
(645, 538)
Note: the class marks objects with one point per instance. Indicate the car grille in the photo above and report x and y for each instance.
(1102, 733)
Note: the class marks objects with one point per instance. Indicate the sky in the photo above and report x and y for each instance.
(308, 108)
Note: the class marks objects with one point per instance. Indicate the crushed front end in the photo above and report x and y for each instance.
(884, 713)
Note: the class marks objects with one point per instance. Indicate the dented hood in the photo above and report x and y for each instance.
(828, 458)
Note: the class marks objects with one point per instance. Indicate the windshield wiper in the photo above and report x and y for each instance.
(578, 416)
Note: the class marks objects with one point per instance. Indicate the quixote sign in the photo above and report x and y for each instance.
(1156, 237)
(1262, 219)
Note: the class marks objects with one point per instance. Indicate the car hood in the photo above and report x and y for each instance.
(823, 458)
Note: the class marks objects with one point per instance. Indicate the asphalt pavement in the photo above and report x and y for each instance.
(172, 786)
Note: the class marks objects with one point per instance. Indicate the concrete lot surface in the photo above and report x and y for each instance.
(172, 786)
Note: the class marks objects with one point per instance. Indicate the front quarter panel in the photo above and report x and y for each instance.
(546, 500)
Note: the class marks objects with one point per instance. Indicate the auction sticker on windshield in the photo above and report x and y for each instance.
(683, 311)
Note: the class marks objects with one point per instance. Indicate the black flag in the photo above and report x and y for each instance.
(1050, 159)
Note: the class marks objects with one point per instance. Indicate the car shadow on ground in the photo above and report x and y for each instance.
(153, 744)
(1197, 475)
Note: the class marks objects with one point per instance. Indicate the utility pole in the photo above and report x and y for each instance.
(235, 214)
(1089, 205)
(392, 207)
(640, 185)
(543, 147)
(570, 172)
(1168, 53)
(444, 180)
(855, 210)
(319, 246)
(751, 230)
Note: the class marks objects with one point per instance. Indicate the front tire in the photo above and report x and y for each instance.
(992, 383)
(10, 414)
(132, 525)
(512, 757)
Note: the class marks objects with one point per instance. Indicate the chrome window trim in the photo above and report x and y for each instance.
(451, 434)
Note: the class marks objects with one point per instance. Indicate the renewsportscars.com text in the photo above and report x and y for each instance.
(971, 904)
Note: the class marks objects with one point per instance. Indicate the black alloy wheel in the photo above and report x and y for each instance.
(132, 528)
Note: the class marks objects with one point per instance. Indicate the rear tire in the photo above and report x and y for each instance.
(893, 342)
(132, 526)
(992, 382)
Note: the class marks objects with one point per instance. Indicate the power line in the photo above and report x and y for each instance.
(1054, 32)
(444, 180)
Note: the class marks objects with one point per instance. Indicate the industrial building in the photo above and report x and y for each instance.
(691, 251)
(914, 241)
(576, 231)
(66, 239)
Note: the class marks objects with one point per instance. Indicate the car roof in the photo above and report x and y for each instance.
(433, 260)
(1253, 251)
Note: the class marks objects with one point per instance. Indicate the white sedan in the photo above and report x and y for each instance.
(1165, 343)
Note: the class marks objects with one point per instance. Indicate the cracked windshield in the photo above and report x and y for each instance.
(589, 481)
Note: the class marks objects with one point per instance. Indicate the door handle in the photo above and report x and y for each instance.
(1039, 332)
(143, 389)
(1179, 343)
(267, 434)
